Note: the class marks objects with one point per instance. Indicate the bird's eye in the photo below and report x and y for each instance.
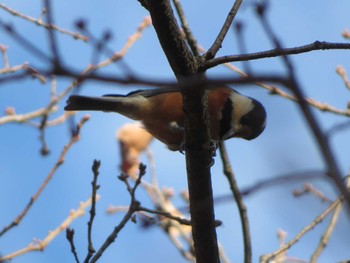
(254, 121)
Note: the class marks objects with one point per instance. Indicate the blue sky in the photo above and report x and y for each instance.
(286, 145)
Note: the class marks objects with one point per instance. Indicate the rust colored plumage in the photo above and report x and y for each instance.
(160, 111)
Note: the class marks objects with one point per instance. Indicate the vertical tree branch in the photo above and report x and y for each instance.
(240, 204)
(197, 139)
(95, 187)
(169, 35)
(198, 161)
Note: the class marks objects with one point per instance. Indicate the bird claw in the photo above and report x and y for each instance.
(213, 147)
(182, 147)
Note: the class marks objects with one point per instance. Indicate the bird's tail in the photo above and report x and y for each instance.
(131, 107)
(81, 103)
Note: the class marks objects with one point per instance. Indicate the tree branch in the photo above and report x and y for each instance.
(134, 206)
(323, 143)
(41, 245)
(39, 22)
(240, 203)
(95, 187)
(325, 238)
(197, 139)
(173, 44)
(221, 36)
(267, 257)
(276, 52)
(60, 160)
(192, 42)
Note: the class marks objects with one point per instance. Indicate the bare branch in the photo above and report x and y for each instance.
(240, 203)
(192, 42)
(70, 238)
(52, 36)
(309, 188)
(39, 22)
(277, 52)
(41, 245)
(322, 142)
(276, 91)
(221, 36)
(182, 221)
(342, 73)
(325, 238)
(267, 257)
(134, 206)
(21, 118)
(179, 56)
(95, 187)
(58, 163)
(3, 50)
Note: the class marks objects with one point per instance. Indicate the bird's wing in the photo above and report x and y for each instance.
(147, 92)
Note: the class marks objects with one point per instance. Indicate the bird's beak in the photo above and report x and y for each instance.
(228, 135)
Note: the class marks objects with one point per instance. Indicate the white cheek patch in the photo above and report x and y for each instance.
(241, 106)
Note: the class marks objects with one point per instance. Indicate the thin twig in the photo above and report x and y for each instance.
(267, 257)
(192, 42)
(39, 22)
(337, 128)
(322, 142)
(58, 163)
(325, 238)
(269, 182)
(182, 221)
(24, 42)
(41, 245)
(95, 187)
(276, 91)
(146, 22)
(240, 203)
(53, 43)
(51, 107)
(178, 234)
(342, 73)
(277, 52)
(134, 206)
(25, 66)
(3, 50)
(22, 118)
(70, 238)
(309, 188)
(221, 36)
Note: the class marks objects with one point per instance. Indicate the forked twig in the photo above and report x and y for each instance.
(39, 22)
(134, 206)
(325, 238)
(267, 257)
(48, 178)
(192, 42)
(41, 245)
(221, 36)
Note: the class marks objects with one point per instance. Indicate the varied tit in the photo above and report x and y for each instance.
(160, 110)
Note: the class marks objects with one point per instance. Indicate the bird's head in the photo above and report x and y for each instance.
(248, 117)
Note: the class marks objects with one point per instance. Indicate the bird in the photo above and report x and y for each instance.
(231, 114)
